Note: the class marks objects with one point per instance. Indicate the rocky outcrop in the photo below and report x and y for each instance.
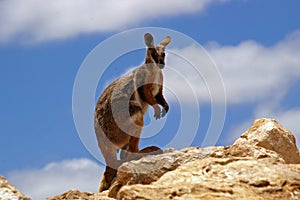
(9, 192)
(75, 194)
(222, 178)
(262, 164)
(265, 145)
(269, 134)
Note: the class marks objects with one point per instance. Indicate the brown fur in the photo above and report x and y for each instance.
(119, 113)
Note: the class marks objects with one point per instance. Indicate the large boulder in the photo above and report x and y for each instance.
(269, 134)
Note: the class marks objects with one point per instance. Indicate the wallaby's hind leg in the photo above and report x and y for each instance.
(112, 164)
(129, 151)
(133, 147)
(109, 176)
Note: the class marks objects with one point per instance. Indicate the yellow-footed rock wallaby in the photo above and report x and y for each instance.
(120, 110)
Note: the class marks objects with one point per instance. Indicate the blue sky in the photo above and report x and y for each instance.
(254, 44)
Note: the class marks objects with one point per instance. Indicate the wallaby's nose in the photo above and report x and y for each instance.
(161, 63)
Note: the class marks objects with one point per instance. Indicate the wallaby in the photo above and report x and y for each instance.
(119, 113)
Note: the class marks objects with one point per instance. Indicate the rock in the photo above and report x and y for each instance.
(75, 194)
(269, 134)
(9, 192)
(72, 194)
(262, 164)
(222, 178)
(150, 169)
(260, 142)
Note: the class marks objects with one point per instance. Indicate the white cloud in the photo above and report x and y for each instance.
(250, 71)
(252, 74)
(57, 177)
(54, 19)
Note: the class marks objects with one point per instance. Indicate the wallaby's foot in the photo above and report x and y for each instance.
(107, 179)
(152, 150)
(128, 156)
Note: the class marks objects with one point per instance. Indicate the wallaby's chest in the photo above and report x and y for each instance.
(156, 85)
(155, 78)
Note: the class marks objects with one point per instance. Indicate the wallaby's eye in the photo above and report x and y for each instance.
(154, 54)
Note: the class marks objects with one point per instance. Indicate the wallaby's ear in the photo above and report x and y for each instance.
(149, 41)
(165, 42)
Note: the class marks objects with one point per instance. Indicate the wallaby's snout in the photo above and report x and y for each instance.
(161, 63)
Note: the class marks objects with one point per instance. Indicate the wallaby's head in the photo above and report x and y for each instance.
(156, 54)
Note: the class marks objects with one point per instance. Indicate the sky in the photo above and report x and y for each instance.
(229, 63)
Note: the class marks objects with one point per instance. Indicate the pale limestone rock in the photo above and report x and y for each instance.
(254, 145)
(150, 169)
(9, 192)
(222, 178)
(269, 134)
(261, 164)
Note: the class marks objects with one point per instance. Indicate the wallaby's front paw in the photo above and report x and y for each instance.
(165, 110)
(157, 113)
(163, 113)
